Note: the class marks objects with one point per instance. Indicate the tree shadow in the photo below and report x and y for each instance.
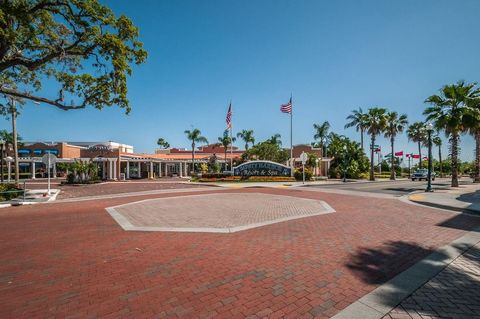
(452, 292)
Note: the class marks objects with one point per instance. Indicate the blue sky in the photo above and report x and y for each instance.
(334, 56)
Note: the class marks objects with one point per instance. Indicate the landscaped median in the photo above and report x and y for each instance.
(215, 178)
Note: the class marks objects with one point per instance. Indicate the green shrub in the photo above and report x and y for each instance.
(10, 192)
(298, 174)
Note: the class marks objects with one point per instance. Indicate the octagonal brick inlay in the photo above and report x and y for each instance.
(223, 213)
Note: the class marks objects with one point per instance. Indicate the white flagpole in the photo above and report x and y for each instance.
(231, 141)
(291, 136)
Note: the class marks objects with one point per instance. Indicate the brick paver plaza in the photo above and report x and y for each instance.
(74, 260)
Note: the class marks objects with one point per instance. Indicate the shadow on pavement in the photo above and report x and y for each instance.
(463, 222)
(453, 292)
(379, 264)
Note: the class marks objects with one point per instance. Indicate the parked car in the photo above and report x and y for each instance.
(420, 174)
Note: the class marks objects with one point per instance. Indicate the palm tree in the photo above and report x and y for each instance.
(321, 134)
(359, 120)
(438, 142)
(195, 135)
(377, 123)
(163, 143)
(275, 139)
(473, 125)
(395, 125)
(447, 111)
(247, 137)
(418, 134)
(226, 141)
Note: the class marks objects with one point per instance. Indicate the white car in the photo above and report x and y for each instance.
(422, 174)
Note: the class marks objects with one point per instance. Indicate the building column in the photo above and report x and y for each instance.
(114, 169)
(139, 165)
(54, 170)
(9, 170)
(185, 166)
(151, 169)
(33, 169)
(180, 169)
(159, 168)
(127, 173)
(109, 169)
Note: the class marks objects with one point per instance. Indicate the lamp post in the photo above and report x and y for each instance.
(429, 128)
(344, 163)
(2, 143)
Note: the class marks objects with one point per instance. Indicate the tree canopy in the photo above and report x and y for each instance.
(79, 45)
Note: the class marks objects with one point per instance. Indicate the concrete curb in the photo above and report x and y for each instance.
(386, 297)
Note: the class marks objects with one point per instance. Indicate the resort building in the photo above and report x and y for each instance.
(117, 161)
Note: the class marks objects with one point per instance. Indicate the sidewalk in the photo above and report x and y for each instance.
(465, 198)
(453, 293)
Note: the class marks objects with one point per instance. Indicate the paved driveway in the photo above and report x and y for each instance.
(72, 259)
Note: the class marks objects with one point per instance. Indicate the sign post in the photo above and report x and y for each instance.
(303, 158)
(49, 160)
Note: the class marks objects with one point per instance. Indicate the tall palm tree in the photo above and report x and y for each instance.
(275, 139)
(437, 141)
(473, 126)
(417, 133)
(377, 123)
(247, 137)
(395, 124)
(447, 111)
(321, 134)
(226, 141)
(359, 120)
(195, 135)
(163, 143)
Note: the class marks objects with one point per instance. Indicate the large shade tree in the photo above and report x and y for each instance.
(80, 47)
(417, 133)
(359, 120)
(195, 136)
(395, 125)
(449, 111)
(247, 137)
(376, 124)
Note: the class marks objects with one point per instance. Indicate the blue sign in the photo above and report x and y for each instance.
(261, 168)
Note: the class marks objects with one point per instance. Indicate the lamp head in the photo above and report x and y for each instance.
(429, 127)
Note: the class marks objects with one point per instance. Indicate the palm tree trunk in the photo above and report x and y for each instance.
(193, 158)
(246, 146)
(225, 164)
(361, 138)
(419, 154)
(477, 157)
(454, 141)
(15, 142)
(372, 176)
(392, 158)
(440, 159)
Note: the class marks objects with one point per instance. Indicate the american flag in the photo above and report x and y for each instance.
(286, 108)
(229, 116)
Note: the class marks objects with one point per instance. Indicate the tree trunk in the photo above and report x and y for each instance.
(361, 138)
(225, 164)
(440, 159)
(419, 154)
(477, 157)
(193, 159)
(372, 176)
(392, 158)
(246, 146)
(15, 142)
(455, 140)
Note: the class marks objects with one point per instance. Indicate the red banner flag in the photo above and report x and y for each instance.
(399, 153)
(415, 156)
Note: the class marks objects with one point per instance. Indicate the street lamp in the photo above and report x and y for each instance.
(344, 163)
(2, 143)
(429, 128)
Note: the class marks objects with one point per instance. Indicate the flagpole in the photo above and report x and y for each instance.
(291, 133)
(231, 142)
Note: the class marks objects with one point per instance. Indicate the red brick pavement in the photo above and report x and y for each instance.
(72, 259)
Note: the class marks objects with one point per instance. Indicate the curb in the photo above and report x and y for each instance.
(386, 297)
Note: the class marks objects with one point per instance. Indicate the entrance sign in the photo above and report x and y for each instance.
(261, 168)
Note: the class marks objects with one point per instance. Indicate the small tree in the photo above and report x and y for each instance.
(163, 143)
(226, 141)
(247, 137)
(417, 133)
(195, 136)
(321, 134)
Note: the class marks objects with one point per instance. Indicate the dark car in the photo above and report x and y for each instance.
(422, 174)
